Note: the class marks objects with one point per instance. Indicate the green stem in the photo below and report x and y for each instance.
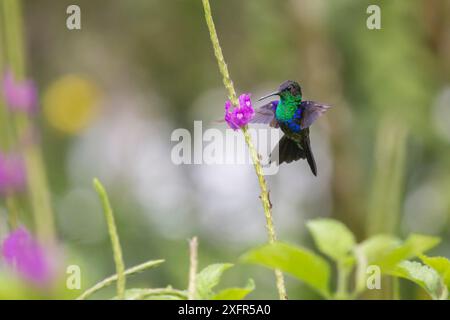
(342, 279)
(384, 208)
(219, 55)
(108, 281)
(14, 35)
(192, 286)
(396, 289)
(7, 136)
(228, 83)
(162, 292)
(117, 251)
(387, 186)
(36, 176)
(360, 273)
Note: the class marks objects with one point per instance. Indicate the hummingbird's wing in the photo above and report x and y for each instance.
(266, 114)
(311, 111)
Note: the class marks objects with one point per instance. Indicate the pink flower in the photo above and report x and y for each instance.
(22, 253)
(12, 174)
(241, 115)
(19, 95)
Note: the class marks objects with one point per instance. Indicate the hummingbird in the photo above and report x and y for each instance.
(293, 116)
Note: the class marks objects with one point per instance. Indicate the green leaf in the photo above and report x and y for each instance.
(377, 246)
(441, 265)
(387, 252)
(369, 251)
(208, 278)
(235, 293)
(332, 238)
(422, 275)
(299, 262)
(413, 246)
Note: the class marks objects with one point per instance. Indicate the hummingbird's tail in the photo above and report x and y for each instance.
(288, 150)
(306, 145)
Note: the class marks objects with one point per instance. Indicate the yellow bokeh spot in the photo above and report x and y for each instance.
(71, 103)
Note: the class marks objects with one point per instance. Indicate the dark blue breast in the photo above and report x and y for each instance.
(294, 123)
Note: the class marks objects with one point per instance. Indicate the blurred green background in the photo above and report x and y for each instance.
(113, 92)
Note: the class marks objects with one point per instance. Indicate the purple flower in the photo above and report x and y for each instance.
(12, 174)
(241, 115)
(24, 254)
(19, 95)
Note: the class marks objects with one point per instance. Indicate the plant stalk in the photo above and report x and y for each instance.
(342, 279)
(117, 250)
(228, 83)
(108, 281)
(7, 136)
(192, 286)
(39, 194)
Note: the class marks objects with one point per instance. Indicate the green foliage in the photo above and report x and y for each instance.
(235, 293)
(206, 279)
(332, 238)
(377, 246)
(422, 275)
(299, 262)
(441, 265)
(210, 277)
(386, 251)
(414, 245)
(336, 241)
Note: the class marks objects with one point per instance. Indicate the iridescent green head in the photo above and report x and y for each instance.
(288, 91)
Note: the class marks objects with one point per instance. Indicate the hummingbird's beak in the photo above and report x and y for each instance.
(269, 95)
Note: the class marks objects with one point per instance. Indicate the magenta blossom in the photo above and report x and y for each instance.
(19, 95)
(241, 115)
(24, 254)
(12, 174)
